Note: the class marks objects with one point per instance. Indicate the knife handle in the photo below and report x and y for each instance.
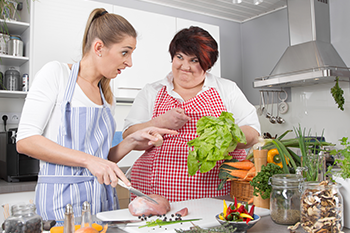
(121, 183)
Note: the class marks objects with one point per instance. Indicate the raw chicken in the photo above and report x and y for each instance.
(140, 206)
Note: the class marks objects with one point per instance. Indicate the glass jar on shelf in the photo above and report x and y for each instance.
(285, 198)
(23, 219)
(321, 207)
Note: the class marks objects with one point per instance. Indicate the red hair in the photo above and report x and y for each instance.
(195, 41)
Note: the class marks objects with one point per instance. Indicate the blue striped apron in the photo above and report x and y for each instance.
(87, 129)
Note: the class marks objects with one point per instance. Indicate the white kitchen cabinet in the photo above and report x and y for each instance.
(20, 27)
(58, 29)
(214, 32)
(151, 59)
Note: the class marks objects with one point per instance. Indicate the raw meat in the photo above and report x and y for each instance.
(140, 206)
(183, 212)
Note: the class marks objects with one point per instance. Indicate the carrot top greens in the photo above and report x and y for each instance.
(217, 137)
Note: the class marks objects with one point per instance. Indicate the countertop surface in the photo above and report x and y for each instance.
(15, 187)
(265, 225)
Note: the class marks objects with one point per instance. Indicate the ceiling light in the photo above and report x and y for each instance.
(257, 2)
(236, 1)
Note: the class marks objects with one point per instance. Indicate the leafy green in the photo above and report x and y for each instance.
(344, 162)
(337, 94)
(217, 137)
(261, 181)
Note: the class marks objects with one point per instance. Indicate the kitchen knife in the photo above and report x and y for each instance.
(136, 192)
(118, 223)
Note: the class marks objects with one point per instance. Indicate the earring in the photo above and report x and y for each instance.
(100, 55)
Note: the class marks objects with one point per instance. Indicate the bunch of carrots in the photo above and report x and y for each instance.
(239, 170)
(236, 170)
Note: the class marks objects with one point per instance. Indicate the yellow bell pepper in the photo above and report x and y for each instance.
(243, 215)
(225, 209)
(221, 216)
(273, 156)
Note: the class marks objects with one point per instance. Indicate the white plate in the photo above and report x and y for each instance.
(205, 209)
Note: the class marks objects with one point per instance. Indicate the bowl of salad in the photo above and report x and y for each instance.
(238, 216)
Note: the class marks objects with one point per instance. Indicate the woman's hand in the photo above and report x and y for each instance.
(147, 137)
(173, 119)
(106, 172)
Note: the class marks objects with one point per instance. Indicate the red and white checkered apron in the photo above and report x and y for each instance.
(163, 170)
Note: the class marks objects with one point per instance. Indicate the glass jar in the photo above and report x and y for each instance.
(321, 207)
(285, 198)
(23, 220)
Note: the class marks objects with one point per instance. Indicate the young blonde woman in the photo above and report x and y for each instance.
(67, 122)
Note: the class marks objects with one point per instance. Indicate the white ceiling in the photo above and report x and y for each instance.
(225, 9)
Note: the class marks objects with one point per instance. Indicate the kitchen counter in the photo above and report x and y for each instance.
(265, 225)
(15, 187)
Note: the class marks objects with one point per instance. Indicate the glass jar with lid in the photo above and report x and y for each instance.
(321, 207)
(23, 219)
(285, 198)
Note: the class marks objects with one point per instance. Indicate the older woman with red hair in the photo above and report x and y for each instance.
(177, 102)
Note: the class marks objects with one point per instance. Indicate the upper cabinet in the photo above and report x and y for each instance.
(20, 26)
(58, 29)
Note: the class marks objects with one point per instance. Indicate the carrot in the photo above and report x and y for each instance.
(251, 172)
(251, 201)
(237, 173)
(240, 165)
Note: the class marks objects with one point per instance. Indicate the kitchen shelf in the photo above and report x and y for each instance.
(15, 27)
(9, 60)
(13, 94)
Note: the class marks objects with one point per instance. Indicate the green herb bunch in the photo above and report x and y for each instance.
(337, 94)
(344, 161)
(217, 137)
(261, 181)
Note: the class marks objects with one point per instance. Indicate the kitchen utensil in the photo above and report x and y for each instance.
(13, 80)
(15, 46)
(261, 110)
(283, 106)
(279, 119)
(272, 118)
(135, 191)
(268, 115)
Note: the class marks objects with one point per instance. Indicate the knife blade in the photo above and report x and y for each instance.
(136, 192)
(120, 222)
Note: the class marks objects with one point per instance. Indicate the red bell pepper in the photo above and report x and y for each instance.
(242, 209)
(235, 202)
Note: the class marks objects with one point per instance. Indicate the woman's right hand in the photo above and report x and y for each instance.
(173, 119)
(106, 172)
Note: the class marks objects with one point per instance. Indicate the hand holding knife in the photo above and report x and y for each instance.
(136, 192)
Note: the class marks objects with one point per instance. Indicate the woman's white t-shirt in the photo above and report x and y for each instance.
(41, 114)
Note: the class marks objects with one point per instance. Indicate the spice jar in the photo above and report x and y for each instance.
(321, 207)
(285, 198)
(23, 219)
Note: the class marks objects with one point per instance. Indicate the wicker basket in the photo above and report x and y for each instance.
(242, 190)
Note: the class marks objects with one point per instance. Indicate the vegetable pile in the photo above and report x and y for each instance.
(236, 170)
(237, 212)
(217, 137)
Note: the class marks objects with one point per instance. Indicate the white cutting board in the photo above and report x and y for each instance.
(205, 209)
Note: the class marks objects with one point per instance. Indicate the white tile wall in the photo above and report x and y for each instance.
(313, 107)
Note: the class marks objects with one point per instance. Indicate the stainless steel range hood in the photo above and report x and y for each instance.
(310, 58)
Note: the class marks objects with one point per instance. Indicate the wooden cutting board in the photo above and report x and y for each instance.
(205, 208)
